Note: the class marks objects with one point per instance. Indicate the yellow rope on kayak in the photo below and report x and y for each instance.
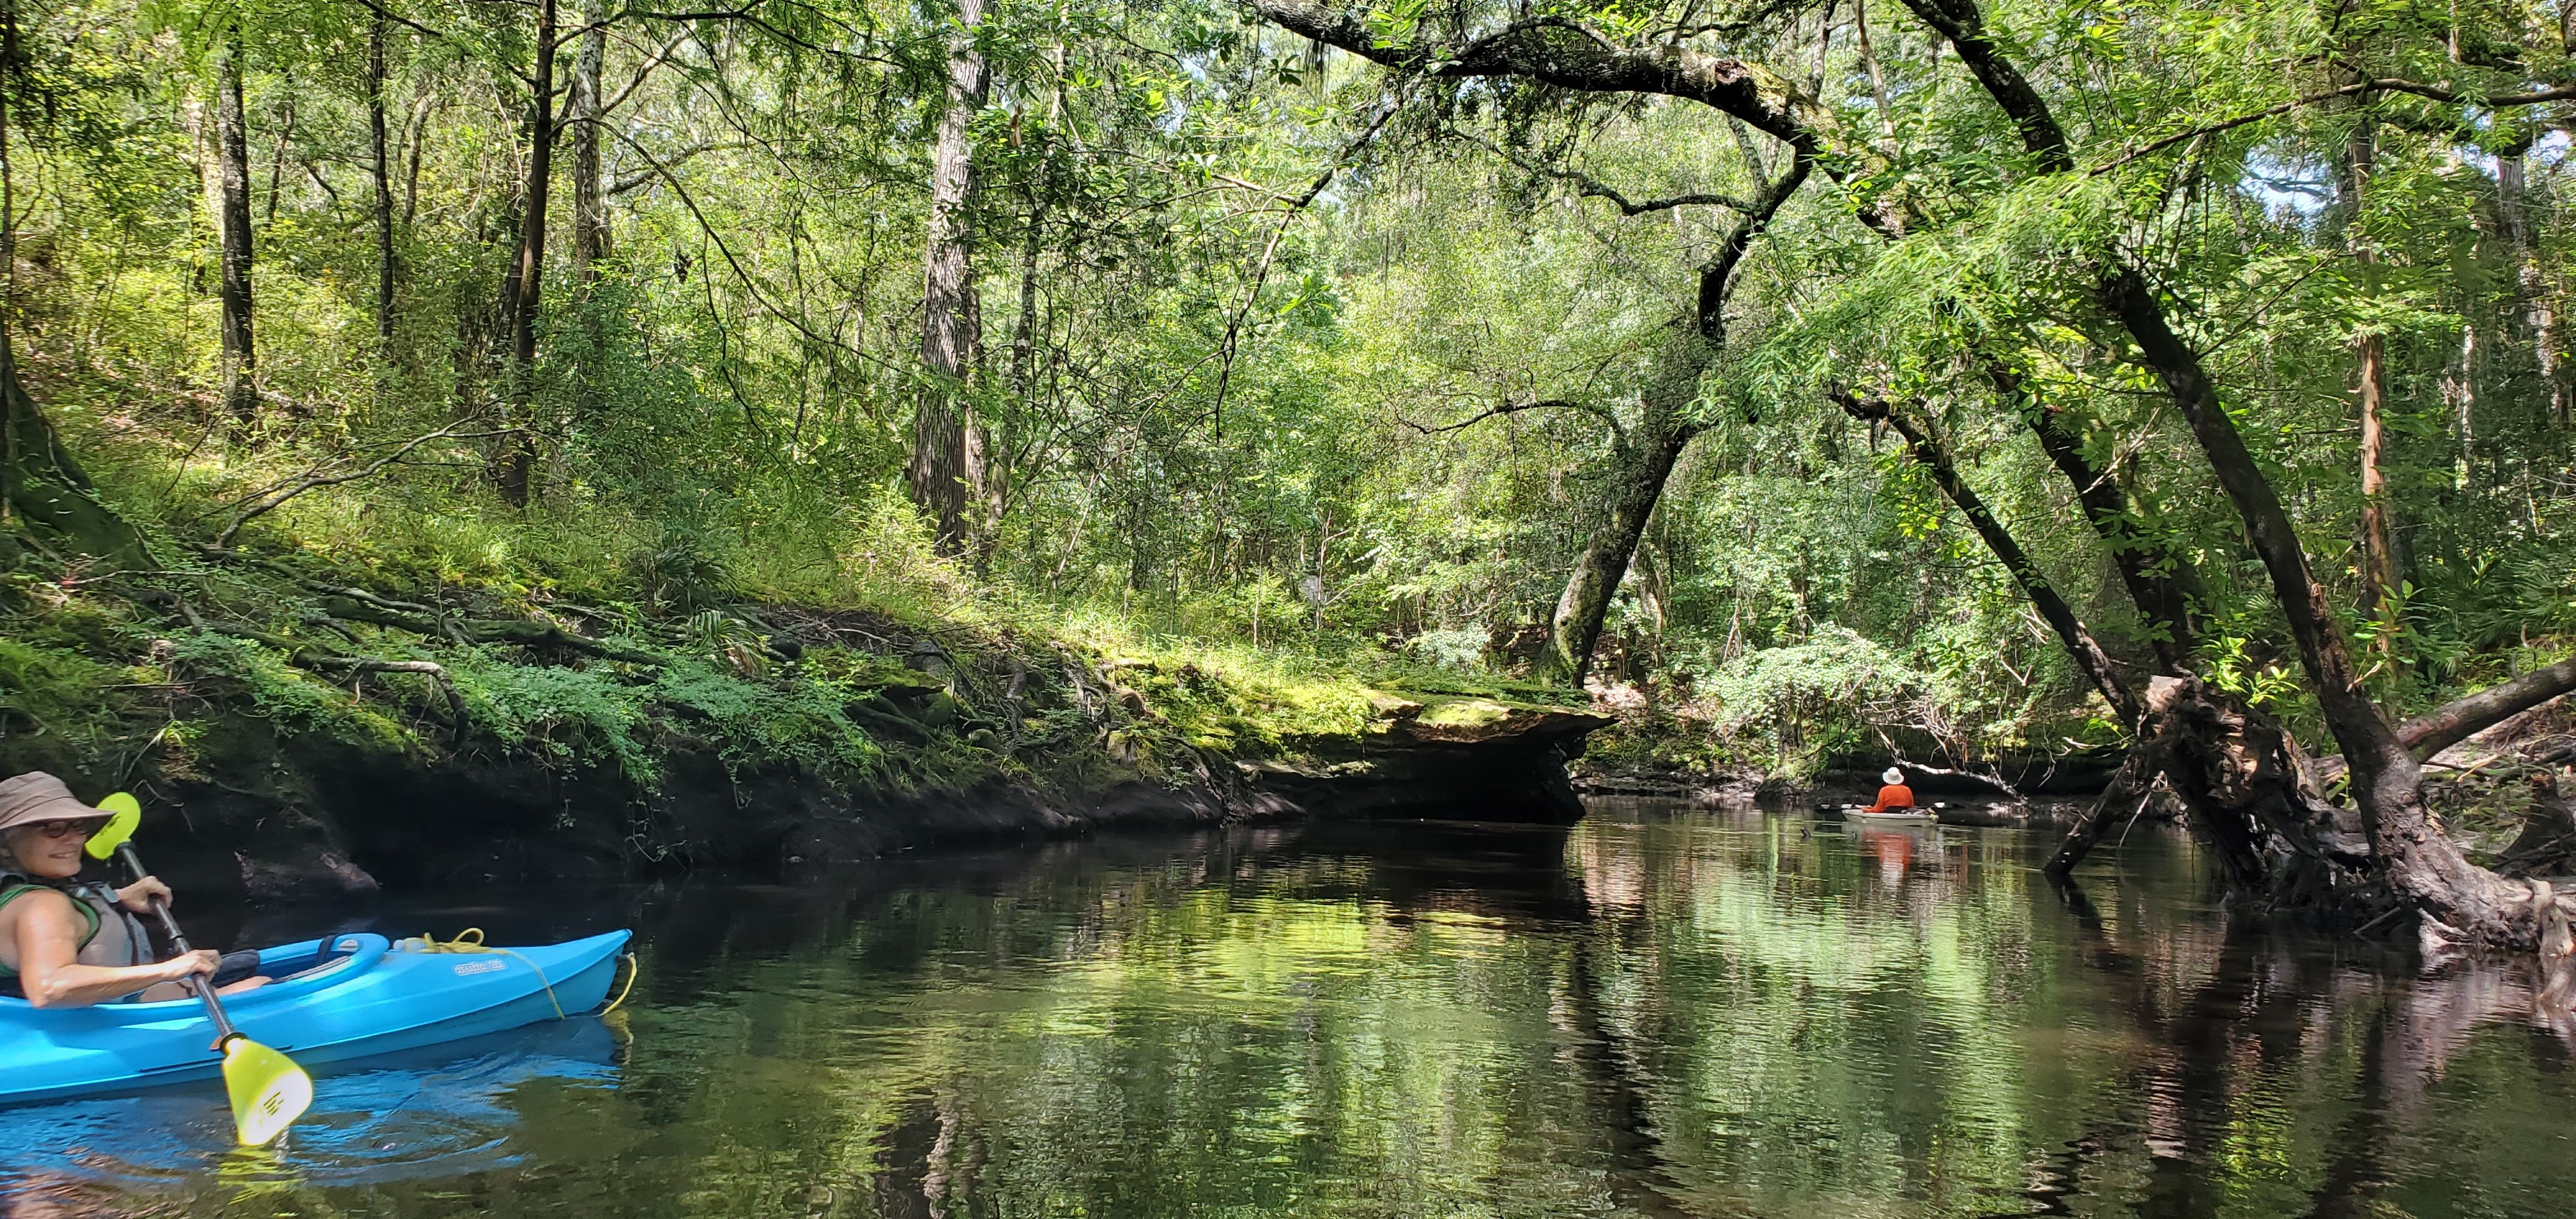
(470, 940)
(622, 991)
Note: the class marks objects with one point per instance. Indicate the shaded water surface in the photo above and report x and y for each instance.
(1661, 1012)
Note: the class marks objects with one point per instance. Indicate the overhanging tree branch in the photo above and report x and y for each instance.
(1593, 188)
(1559, 52)
(1934, 457)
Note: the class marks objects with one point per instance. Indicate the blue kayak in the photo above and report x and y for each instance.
(347, 997)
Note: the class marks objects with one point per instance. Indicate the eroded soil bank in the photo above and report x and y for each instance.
(297, 738)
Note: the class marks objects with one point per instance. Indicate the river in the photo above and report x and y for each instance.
(1663, 1011)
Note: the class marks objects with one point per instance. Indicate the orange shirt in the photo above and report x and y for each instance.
(1894, 797)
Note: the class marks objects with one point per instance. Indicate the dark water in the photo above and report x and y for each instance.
(1661, 1012)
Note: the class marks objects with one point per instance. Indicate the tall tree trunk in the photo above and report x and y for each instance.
(947, 473)
(589, 206)
(589, 200)
(2379, 588)
(232, 220)
(527, 279)
(2540, 313)
(384, 189)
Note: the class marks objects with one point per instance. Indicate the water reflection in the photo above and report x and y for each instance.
(1660, 1012)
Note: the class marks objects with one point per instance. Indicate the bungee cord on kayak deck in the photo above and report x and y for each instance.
(470, 940)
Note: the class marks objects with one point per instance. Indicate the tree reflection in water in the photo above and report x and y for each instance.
(1659, 1012)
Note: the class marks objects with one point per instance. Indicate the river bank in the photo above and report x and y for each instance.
(303, 732)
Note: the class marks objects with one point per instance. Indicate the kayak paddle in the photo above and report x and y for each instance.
(267, 1089)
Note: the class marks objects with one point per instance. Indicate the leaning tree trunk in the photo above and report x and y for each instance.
(947, 472)
(232, 219)
(2424, 867)
(2158, 577)
(518, 460)
(1664, 429)
(1645, 459)
(1934, 457)
(2407, 847)
(41, 486)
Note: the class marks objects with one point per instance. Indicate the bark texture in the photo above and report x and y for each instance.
(1644, 458)
(43, 487)
(947, 473)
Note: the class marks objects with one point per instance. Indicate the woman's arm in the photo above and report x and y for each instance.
(48, 935)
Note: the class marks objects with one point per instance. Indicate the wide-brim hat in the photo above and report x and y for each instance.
(1893, 775)
(37, 796)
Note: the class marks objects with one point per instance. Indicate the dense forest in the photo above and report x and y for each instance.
(1810, 379)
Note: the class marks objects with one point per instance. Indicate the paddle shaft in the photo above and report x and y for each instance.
(224, 1030)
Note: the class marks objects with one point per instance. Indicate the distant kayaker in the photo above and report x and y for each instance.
(68, 944)
(1896, 797)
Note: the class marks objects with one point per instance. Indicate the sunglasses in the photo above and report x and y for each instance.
(82, 828)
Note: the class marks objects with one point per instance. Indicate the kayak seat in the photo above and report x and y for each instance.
(332, 952)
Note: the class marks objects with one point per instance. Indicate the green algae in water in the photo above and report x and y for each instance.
(1656, 1013)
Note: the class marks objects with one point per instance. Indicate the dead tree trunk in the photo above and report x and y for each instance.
(947, 472)
(232, 221)
(2470, 714)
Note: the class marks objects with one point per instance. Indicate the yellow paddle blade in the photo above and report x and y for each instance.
(268, 1090)
(124, 813)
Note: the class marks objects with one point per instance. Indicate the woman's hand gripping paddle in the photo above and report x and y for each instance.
(268, 1090)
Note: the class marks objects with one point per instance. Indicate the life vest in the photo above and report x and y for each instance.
(112, 937)
(1895, 797)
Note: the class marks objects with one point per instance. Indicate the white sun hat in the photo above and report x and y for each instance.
(1893, 776)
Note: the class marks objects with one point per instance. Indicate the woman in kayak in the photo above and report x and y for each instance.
(64, 944)
(1896, 797)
